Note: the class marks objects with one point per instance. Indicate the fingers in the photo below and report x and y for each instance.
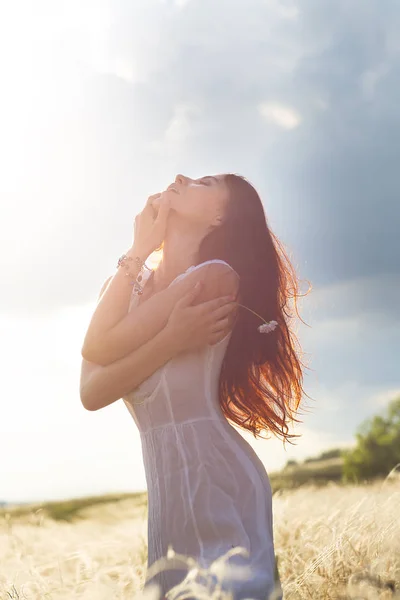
(216, 322)
(220, 333)
(220, 326)
(210, 306)
(188, 298)
(151, 199)
(163, 210)
(220, 320)
(223, 311)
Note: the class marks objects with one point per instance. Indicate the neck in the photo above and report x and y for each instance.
(180, 251)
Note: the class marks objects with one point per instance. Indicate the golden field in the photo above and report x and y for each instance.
(333, 541)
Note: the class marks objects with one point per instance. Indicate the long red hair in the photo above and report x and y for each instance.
(260, 386)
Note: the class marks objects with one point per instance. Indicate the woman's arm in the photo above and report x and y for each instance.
(145, 321)
(149, 232)
(188, 327)
(135, 328)
(101, 386)
(113, 304)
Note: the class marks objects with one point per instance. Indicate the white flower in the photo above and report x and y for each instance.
(267, 327)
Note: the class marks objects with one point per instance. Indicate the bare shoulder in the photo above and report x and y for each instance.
(219, 279)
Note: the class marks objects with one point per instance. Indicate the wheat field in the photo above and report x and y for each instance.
(332, 542)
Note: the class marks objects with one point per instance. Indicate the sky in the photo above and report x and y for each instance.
(102, 104)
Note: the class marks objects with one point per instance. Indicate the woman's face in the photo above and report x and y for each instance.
(202, 201)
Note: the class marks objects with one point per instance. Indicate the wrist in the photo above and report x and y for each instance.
(167, 341)
(170, 340)
(136, 250)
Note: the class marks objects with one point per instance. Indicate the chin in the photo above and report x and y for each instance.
(176, 207)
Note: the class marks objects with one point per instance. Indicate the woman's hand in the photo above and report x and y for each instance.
(190, 327)
(150, 224)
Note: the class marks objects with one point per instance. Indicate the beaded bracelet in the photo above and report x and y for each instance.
(122, 262)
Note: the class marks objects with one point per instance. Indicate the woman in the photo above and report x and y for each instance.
(186, 358)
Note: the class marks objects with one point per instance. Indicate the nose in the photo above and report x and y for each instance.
(180, 179)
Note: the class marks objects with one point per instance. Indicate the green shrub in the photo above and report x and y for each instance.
(377, 451)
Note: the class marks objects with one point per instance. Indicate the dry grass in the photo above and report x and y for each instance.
(331, 542)
(339, 541)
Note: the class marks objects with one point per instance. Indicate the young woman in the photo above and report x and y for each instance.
(186, 358)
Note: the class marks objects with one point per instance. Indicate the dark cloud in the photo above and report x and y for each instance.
(329, 186)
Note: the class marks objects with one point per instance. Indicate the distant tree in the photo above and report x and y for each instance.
(291, 463)
(377, 450)
(334, 453)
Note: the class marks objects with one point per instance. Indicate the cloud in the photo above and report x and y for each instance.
(351, 333)
(159, 91)
(181, 3)
(104, 102)
(371, 78)
(381, 399)
(284, 116)
(367, 298)
(145, 90)
(177, 135)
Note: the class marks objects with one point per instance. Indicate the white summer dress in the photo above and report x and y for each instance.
(207, 489)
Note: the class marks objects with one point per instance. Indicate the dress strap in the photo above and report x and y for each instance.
(213, 260)
(195, 267)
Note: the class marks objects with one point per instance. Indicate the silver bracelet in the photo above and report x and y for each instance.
(122, 262)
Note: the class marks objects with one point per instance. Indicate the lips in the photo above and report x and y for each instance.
(172, 188)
